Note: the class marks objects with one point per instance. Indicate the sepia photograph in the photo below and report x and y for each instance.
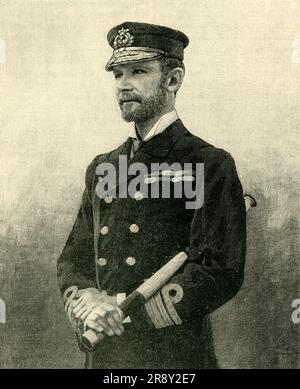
(149, 203)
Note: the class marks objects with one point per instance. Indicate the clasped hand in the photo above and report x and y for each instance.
(98, 311)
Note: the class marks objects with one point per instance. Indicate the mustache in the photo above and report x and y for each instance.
(128, 97)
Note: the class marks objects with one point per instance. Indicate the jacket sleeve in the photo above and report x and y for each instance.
(76, 264)
(214, 271)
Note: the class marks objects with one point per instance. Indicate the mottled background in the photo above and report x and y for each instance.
(57, 112)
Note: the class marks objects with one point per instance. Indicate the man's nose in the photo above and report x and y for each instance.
(124, 84)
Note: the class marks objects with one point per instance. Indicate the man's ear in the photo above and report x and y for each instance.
(175, 79)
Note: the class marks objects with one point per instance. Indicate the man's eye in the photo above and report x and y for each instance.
(118, 76)
(139, 71)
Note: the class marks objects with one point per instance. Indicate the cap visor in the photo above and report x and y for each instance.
(128, 56)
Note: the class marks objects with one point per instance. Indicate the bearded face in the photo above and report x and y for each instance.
(140, 90)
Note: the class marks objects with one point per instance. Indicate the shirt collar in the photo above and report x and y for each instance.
(163, 122)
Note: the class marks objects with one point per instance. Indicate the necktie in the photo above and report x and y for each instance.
(135, 145)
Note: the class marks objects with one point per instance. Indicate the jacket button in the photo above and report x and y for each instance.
(131, 261)
(102, 261)
(104, 230)
(108, 199)
(134, 228)
(138, 196)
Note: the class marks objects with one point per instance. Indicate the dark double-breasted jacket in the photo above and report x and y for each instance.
(138, 235)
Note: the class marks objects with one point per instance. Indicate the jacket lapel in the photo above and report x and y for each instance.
(150, 151)
(160, 145)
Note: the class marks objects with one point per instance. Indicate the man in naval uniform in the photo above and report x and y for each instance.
(134, 237)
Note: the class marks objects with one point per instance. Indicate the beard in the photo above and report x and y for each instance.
(143, 109)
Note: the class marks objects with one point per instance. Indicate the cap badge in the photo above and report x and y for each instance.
(123, 39)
